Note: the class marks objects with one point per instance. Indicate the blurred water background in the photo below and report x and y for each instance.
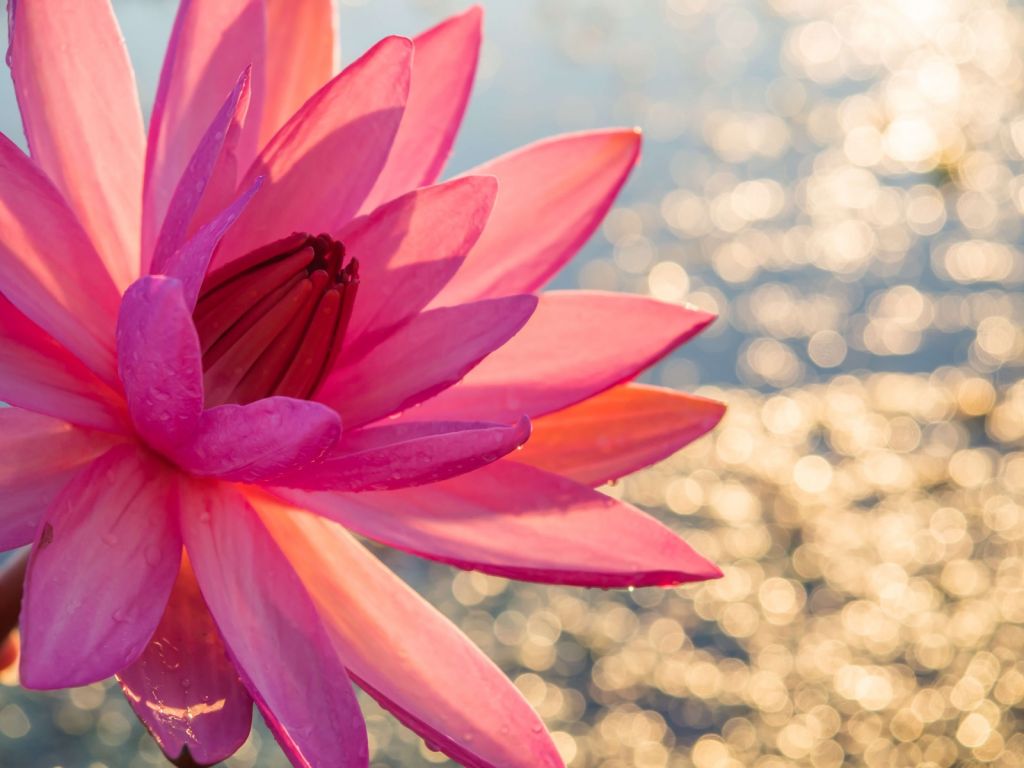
(842, 182)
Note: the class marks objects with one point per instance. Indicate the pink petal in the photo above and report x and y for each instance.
(101, 571)
(552, 195)
(410, 247)
(292, 77)
(617, 432)
(272, 631)
(408, 656)
(184, 688)
(160, 363)
(425, 356)
(577, 344)
(76, 91)
(321, 165)
(37, 373)
(258, 442)
(516, 521)
(403, 455)
(442, 77)
(41, 244)
(195, 182)
(211, 43)
(40, 456)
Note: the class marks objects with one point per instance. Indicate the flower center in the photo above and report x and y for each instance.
(272, 322)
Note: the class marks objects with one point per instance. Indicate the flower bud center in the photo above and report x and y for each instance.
(272, 322)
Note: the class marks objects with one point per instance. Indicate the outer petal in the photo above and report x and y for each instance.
(423, 357)
(76, 91)
(410, 247)
(37, 373)
(211, 43)
(41, 244)
(577, 344)
(40, 456)
(403, 455)
(617, 432)
(516, 521)
(309, 27)
(268, 622)
(261, 441)
(321, 165)
(442, 77)
(101, 571)
(160, 363)
(184, 688)
(430, 676)
(552, 195)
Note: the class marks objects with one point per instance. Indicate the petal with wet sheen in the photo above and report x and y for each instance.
(79, 105)
(551, 197)
(519, 522)
(617, 432)
(101, 571)
(433, 679)
(272, 631)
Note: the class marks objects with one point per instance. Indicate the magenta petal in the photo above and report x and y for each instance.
(577, 344)
(41, 244)
(320, 166)
(40, 456)
(552, 196)
(516, 521)
(403, 455)
(425, 356)
(261, 441)
(80, 108)
(211, 43)
(409, 248)
(272, 631)
(160, 363)
(430, 676)
(183, 687)
(196, 178)
(38, 374)
(101, 571)
(442, 77)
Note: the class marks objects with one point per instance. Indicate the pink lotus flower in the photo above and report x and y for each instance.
(204, 408)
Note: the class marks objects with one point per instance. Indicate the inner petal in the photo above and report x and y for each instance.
(273, 321)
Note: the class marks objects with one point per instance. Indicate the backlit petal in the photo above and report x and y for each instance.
(101, 570)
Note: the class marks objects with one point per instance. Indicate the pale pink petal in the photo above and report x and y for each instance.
(577, 344)
(211, 43)
(430, 675)
(302, 55)
(37, 373)
(260, 441)
(192, 189)
(101, 570)
(425, 356)
(408, 454)
(320, 166)
(271, 629)
(184, 688)
(516, 521)
(40, 456)
(160, 363)
(190, 262)
(76, 91)
(48, 268)
(410, 247)
(442, 77)
(617, 432)
(551, 197)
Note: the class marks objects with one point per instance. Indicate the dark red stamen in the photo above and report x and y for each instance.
(273, 321)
